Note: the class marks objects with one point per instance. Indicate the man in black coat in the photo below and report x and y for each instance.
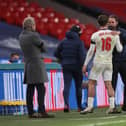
(119, 59)
(71, 54)
(34, 72)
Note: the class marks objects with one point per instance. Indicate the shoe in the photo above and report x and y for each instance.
(45, 115)
(34, 115)
(66, 109)
(113, 111)
(80, 109)
(87, 110)
(124, 107)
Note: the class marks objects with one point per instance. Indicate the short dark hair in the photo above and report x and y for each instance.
(102, 20)
(115, 17)
(13, 54)
(77, 29)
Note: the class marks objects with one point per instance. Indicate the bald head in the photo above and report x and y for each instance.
(29, 23)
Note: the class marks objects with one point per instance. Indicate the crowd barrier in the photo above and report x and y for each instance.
(13, 91)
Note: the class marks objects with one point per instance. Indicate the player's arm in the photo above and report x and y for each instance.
(119, 46)
(89, 56)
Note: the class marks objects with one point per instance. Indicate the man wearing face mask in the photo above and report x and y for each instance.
(71, 53)
(119, 59)
(35, 74)
(14, 58)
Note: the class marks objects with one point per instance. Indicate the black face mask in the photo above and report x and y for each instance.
(79, 34)
(76, 29)
(14, 60)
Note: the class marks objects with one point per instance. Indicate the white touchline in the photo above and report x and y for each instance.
(104, 123)
(104, 118)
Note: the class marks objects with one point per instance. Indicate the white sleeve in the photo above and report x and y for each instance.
(89, 54)
(119, 46)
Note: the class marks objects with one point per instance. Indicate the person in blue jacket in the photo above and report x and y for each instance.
(71, 53)
(119, 59)
(14, 58)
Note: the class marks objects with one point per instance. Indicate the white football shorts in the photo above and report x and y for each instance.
(101, 69)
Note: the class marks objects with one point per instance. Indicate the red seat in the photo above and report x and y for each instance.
(86, 39)
(47, 60)
(41, 27)
(48, 20)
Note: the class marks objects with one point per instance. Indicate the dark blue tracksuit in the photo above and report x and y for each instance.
(119, 63)
(71, 53)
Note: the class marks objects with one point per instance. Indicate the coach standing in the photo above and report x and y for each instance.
(71, 53)
(34, 72)
(119, 59)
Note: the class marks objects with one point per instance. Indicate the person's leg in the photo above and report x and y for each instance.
(123, 77)
(115, 78)
(41, 105)
(91, 94)
(41, 97)
(115, 75)
(111, 93)
(94, 74)
(29, 98)
(78, 76)
(107, 76)
(67, 74)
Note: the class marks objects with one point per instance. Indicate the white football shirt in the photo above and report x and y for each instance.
(105, 41)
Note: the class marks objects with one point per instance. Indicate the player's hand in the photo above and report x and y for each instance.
(84, 69)
(86, 74)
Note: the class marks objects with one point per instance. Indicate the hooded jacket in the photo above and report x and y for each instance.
(71, 51)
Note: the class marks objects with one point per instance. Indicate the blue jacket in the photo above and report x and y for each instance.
(71, 51)
(118, 57)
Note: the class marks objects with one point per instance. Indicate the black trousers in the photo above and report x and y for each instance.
(29, 97)
(77, 76)
(119, 67)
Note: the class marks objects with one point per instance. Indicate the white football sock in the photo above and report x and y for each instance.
(112, 102)
(90, 102)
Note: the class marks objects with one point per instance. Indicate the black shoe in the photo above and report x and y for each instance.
(66, 109)
(45, 115)
(34, 115)
(80, 109)
(124, 107)
(113, 111)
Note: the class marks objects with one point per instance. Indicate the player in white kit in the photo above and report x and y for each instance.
(103, 41)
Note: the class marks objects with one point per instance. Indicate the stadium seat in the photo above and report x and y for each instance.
(49, 22)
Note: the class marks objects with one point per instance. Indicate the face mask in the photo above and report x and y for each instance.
(14, 60)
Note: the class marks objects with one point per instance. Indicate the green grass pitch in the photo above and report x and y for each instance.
(73, 118)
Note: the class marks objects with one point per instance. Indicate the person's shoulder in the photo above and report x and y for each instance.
(96, 33)
(21, 34)
(34, 34)
(121, 29)
(65, 40)
(28, 33)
